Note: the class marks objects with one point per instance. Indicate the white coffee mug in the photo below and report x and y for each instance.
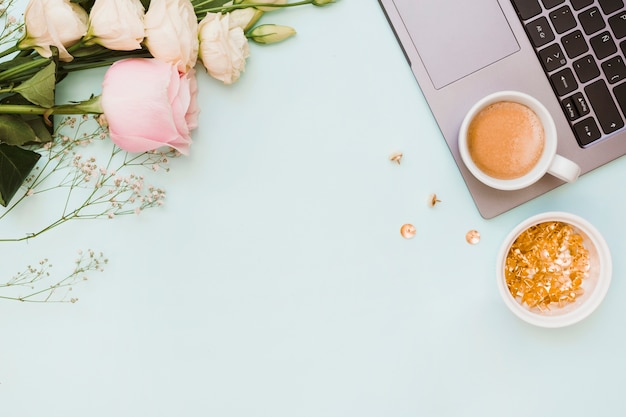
(548, 162)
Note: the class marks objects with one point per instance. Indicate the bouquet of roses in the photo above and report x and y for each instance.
(147, 105)
(148, 99)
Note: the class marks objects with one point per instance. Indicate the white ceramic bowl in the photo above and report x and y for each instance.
(595, 285)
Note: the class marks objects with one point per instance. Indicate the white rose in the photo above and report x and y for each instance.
(57, 23)
(223, 50)
(172, 32)
(116, 24)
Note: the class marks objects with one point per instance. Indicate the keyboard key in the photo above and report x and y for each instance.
(564, 82)
(587, 131)
(618, 24)
(603, 45)
(548, 4)
(574, 44)
(581, 104)
(575, 106)
(614, 69)
(552, 57)
(570, 109)
(604, 107)
(579, 4)
(610, 6)
(540, 32)
(620, 95)
(586, 68)
(527, 8)
(591, 20)
(562, 19)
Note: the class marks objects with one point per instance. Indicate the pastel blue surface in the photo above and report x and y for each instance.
(275, 282)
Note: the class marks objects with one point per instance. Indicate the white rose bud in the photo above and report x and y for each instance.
(116, 24)
(271, 33)
(223, 50)
(53, 23)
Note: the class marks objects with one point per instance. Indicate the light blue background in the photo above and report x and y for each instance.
(275, 282)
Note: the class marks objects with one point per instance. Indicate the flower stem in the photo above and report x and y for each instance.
(9, 51)
(23, 68)
(32, 109)
(226, 9)
(102, 62)
(91, 106)
(91, 60)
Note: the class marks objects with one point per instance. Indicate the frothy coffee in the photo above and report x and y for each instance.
(505, 140)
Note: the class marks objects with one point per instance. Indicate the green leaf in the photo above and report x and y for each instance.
(85, 4)
(5, 65)
(43, 132)
(14, 99)
(88, 51)
(39, 89)
(210, 4)
(15, 131)
(220, 3)
(15, 165)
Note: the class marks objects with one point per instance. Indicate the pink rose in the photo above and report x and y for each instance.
(147, 104)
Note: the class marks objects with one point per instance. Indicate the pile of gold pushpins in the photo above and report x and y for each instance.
(546, 266)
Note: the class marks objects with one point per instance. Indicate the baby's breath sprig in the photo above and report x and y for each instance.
(30, 285)
(91, 190)
(87, 190)
(11, 27)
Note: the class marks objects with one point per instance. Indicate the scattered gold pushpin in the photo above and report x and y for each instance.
(433, 200)
(396, 157)
(408, 231)
(472, 237)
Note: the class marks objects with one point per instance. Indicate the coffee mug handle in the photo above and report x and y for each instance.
(564, 169)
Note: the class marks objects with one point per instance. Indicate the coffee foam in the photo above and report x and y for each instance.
(506, 140)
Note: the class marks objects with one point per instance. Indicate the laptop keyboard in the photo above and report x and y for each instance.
(581, 45)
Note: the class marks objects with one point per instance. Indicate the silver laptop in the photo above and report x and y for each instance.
(567, 53)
